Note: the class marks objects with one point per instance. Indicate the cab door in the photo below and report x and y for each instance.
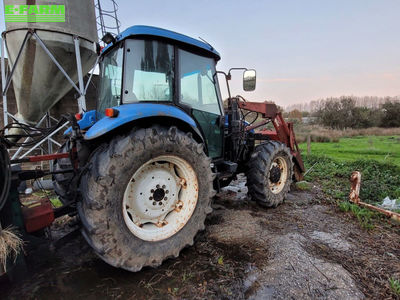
(198, 88)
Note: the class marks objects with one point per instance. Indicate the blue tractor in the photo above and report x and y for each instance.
(142, 168)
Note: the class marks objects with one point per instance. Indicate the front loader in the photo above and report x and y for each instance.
(142, 168)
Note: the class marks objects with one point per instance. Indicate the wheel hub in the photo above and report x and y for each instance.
(278, 174)
(160, 198)
(159, 194)
(275, 174)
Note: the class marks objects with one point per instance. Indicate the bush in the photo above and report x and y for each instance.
(343, 113)
(391, 114)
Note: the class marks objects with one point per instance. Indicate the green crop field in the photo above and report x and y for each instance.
(384, 149)
(376, 157)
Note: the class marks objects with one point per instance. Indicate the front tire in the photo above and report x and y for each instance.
(145, 196)
(269, 174)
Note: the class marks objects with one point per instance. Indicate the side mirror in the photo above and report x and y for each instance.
(249, 80)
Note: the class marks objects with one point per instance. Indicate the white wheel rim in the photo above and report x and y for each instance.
(277, 187)
(160, 198)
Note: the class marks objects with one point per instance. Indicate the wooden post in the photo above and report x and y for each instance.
(308, 145)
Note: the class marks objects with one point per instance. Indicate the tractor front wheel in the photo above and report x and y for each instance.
(145, 197)
(269, 174)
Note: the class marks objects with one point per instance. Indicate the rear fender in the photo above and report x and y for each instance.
(134, 113)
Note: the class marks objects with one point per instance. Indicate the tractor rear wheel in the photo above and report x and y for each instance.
(269, 174)
(145, 196)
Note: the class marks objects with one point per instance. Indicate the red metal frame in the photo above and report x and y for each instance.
(40, 213)
(47, 157)
(284, 132)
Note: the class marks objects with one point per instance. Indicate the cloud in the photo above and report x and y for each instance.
(391, 76)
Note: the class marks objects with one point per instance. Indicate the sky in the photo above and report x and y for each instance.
(302, 50)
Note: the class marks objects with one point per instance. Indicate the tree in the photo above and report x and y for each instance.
(362, 117)
(295, 114)
(391, 114)
(305, 113)
(337, 114)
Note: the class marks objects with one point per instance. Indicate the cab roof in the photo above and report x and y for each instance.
(142, 30)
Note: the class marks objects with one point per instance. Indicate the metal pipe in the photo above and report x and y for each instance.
(102, 25)
(82, 99)
(42, 141)
(115, 15)
(91, 74)
(27, 139)
(354, 196)
(55, 61)
(391, 214)
(54, 142)
(27, 37)
(3, 83)
(49, 143)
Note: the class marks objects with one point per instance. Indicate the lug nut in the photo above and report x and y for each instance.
(165, 198)
(154, 203)
(163, 186)
(179, 206)
(151, 191)
(160, 203)
(158, 186)
(150, 198)
(166, 191)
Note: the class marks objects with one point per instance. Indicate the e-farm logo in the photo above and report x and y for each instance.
(34, 13)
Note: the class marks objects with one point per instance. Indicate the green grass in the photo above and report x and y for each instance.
(384, 149)
(376, 157)
(395, 286)
(303, 186)
(378, 180)
(56, 202)
(50, 195)
(363, 215)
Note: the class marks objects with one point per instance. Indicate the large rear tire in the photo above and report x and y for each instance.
(269, 174)
(145, 196)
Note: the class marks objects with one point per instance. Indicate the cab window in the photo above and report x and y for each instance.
(148, 71)
(110, 81)
(197, 82)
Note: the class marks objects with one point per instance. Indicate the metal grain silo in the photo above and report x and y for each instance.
(38, 82)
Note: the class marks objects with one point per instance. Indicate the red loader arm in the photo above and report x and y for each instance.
(283, 132)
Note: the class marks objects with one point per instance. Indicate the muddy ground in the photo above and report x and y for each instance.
(304, 249)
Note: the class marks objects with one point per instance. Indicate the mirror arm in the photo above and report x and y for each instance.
(235, 69)
(227, 77)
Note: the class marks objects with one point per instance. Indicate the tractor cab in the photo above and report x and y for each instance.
(148, 65)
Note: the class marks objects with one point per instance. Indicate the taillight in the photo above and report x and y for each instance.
(78, 116)
(111, 112)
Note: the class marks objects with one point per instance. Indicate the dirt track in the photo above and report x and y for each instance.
(303, 249)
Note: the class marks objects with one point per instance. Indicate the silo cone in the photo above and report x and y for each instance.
(38, 83)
